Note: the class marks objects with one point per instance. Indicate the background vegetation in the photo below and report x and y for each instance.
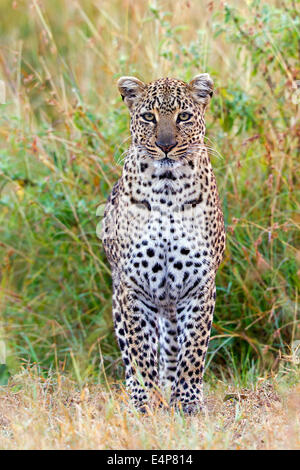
(63, 133)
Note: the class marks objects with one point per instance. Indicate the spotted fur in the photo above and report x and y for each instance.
(163, 234)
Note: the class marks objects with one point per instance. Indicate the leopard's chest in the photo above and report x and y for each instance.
(167, 254)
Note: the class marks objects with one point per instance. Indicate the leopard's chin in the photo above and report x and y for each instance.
(166, 162)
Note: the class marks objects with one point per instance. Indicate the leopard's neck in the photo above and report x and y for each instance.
(146, 179)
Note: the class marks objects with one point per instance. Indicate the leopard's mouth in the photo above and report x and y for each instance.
(160, 161)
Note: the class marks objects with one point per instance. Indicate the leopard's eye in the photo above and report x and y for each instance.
(148, 117)
(184, 116)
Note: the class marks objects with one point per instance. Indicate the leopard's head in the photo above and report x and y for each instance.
(167, 115)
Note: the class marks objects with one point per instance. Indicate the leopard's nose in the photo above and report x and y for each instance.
(166, 147)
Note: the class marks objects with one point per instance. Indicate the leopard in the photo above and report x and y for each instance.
(164, 237)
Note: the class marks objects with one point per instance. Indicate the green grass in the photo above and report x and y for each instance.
(63, 132)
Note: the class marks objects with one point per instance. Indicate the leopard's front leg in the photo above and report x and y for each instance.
(136, 330)
(194, 318)
(168, 351)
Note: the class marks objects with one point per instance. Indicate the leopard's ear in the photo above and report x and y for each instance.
(202, 88)
(130, 88)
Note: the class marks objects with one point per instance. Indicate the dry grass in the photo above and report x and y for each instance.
(38, 413)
